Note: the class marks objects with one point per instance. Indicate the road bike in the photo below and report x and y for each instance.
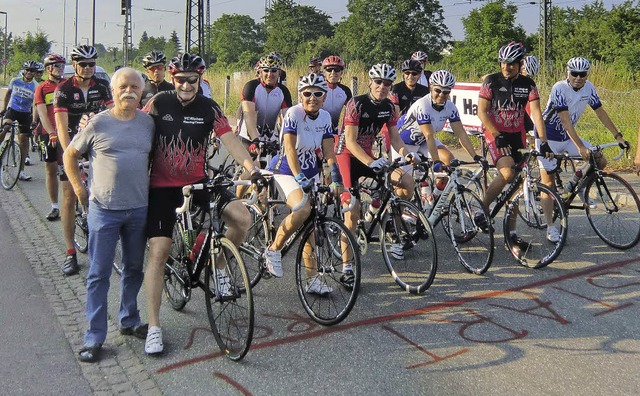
(81, 231)
(228, 295)
(10, 156)
(326, 250)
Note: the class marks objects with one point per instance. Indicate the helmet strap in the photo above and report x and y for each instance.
(436, 106)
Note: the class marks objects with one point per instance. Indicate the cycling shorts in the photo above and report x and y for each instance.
(50, 153)
(515, 141)
(23, 118)
(567, 146)
(163, 203)
(351, 169)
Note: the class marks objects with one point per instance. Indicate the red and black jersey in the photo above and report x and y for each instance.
(45, 93)
(403, 97)
(182, 135)
(70, 98)
(369, 116)
(509, 98)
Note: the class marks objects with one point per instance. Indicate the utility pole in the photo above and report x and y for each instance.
(127, 39)
(194, 34)
(546, 38)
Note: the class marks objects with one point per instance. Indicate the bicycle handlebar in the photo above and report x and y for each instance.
(186, 193)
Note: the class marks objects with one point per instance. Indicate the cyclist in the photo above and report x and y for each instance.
(17, 104)
(83, 93)
(567, 102)
(422, 57)
(315, 65)
(428, 115)
(501, 108)
(37, 76)
(54, 64)
(307, 135)
(338, 94)
(184, 121)
(530, 68)
(282, 77)
(364, 118)
(154, 64)
(406, 92)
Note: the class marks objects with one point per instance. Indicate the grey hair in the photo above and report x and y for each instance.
(122, 71)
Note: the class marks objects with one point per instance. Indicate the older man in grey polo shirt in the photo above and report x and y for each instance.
(118, 142)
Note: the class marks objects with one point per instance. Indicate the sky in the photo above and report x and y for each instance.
(166, 16)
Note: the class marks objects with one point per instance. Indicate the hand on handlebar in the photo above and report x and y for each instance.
(438, 166)
(259, 181)
(482, 161)
(304, 182)
(545, 150)
(378, 163)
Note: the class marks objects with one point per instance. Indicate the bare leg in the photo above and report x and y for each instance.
(159, 248)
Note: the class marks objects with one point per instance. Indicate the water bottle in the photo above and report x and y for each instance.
(373, 209)
(576, 178)
(440, 185)
(425, 192)
(197, 246)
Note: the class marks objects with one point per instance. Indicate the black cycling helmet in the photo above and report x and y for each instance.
(187, 63)
(83, 52)
(412, 65)
(153, 58)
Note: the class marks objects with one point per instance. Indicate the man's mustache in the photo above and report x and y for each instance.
(128, 96)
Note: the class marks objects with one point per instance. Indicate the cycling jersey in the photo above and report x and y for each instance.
(205, 88)
(268, 106)
(404, 97)
(45, 95)
(69, 98)
(508, 98)
(182, 135)
(337, 97)
(151, 88)
(21, 94)
(424, 78)
(564, 98)
(369, 116)
(309, 135)
(422, 112)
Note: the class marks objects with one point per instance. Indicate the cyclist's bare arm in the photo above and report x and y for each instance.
(5, 103)
(573, 134)
(70, 158)
(289, 140)
(462, 136)
(430, 135)
(62, 126)
(44, 119)
(250, 118)
(351, 141)
(606, 121)
(536, 117)
(484, 106)
(237, 150)
(396, 141)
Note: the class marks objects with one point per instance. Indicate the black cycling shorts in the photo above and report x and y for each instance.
(23, 118)
(50, 153)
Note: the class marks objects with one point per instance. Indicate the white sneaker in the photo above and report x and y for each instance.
(396, 251)
(315, 285)
(27, 161)
(153, 345)
(553, 235)
(274, 262)
(224, 283)
(590, 202)
(23, 176)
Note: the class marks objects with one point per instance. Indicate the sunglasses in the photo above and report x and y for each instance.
(270, 70)
(58, 65)
(156, 67)
(333, 69)
(386, 83)
(86, 64)
(317, 94)
(579, 74)
(182, 79)
(413, 73)
(441, 92)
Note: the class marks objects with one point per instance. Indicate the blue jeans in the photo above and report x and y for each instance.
(105, 228)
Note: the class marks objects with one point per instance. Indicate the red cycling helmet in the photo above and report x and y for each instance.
(53, 59)
(333, 60)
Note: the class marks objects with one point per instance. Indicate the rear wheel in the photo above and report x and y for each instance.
(254, 245)
(177, 281)
(11, 160)
(81, 233)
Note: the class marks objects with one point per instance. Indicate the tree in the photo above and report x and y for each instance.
(30, 47)
(174, 42)
(486, 29)
(232, 35)
(391, 30)
(289, 26)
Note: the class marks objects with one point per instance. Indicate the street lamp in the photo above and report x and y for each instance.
(4, 54)
(37, 25)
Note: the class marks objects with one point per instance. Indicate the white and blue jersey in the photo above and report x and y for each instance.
(22, 94)
(564, 98)
(421, 113)
(309, 135)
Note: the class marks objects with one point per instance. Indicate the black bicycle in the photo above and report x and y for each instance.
(81, 231)
(10, 157)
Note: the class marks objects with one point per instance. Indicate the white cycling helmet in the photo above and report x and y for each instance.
(83, 52)
(531, 65)
(442, 78)
(511, 52)
(382, 71)
(313, 80)
(419, 56)
(578, 64)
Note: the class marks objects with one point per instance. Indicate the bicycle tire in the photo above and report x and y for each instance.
(117, 258)
(332, 307)
(415, 269)
(11, 160)
(81, 232)
(473, 246)
(231, 317)
(177, 282)
(616, 215)
(254, 245)
(531, 227)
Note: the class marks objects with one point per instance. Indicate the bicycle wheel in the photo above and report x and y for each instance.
(408, 246)
(11, 160)
(81, 233)
(254, 245)
(326, 289)
(117, 259)
(229, 300)
(525, 227)
(473, 246)
(177, 282)
(613, 210)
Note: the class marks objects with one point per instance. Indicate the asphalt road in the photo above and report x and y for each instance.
(571, 328)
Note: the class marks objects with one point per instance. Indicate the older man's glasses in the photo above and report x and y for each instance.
(333, 69)
(183, 79)
(386, 83)
(578, 74)
(411, 73)
(272, 71)
(86, 64)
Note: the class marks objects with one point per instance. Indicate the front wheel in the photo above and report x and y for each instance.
(229, 299)
(328, 271)
(255, 243)
(613, 210)
(177, 280)
(81, 233)
(526, 233)
(408, 246)
(11, 160)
